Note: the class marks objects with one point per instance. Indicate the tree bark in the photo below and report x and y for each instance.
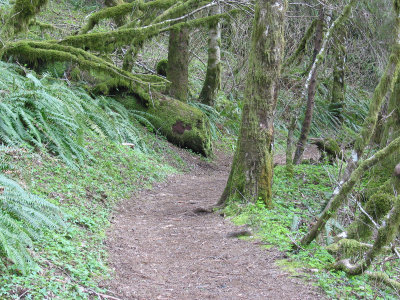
(289, 142)
(338, 85)
(212, 81)
(252, 169)
(305, 128)
(178, 63)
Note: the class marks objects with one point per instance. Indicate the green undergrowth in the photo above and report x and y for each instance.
(71, 262)
(299, 198)
(74, 155)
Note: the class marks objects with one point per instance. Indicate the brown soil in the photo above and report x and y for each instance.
(160, 249)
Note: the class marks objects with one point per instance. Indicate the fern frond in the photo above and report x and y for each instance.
(23, 216)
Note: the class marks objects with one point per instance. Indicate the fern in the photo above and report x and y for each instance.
(213, 117)
(23, 217)
(45, 114)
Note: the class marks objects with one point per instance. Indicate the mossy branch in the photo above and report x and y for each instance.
(354, 171)
(350, 247)
(385, 85)
(296, 56)
(38, 52)
(124, 9)
(386, 235)
(384, 278)
(109, 41)
(341, 192)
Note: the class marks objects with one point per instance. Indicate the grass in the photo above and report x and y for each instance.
(298, 200)
(73, 261)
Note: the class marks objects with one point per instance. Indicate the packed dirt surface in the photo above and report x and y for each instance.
(161, 249)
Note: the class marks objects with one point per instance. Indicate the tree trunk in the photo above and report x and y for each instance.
(338, 86)
(392, 125)
(305, 129)
(178, 63)
(212, 81)
(182, 124)
(252, 168)
(289, 142)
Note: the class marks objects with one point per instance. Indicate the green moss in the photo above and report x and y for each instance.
(117, 12)
(37, 53)
(23, 11)
(183, 125)
(347, 248)
(292, 267)
(162, 67)
(250, 178)
(110, 41)
(328, 147)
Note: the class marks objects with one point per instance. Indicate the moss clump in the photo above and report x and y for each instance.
(182, 124)
(347, 248)
(23, 12)
(377, 207)
(162, 67)
(328, 147)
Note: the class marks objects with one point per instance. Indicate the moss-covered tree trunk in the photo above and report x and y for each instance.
(305, 128)
(252, 169)
(182, 124)
(212, 81)
(338, 85)
(392, 125)
(178, 63)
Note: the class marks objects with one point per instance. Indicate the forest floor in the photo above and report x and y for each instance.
(159, 248)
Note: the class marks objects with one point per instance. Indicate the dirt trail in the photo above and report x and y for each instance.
(160, 249)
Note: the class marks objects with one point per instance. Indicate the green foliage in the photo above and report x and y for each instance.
(298, 200)
(74, 261)
(212, 116)
(162, 67)
(23, 216)
(47, 115)
(351, 115)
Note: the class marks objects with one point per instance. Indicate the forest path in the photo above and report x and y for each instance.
(160, 249)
